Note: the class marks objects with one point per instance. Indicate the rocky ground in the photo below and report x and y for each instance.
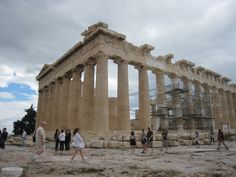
(181, 161)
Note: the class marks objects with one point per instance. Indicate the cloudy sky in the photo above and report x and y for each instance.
(33, 33)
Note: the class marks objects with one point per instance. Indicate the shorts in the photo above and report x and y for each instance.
(149, 144)
(39, 147)
(164, 143)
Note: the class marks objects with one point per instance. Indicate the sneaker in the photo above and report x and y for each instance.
(84, 161)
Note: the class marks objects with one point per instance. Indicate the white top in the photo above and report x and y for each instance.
(78, 141)
(62, 136)
(40, 135)
(24, 134)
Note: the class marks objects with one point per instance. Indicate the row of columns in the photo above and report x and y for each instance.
(69, 103)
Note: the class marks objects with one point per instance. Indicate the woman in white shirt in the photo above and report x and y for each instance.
(78, 144)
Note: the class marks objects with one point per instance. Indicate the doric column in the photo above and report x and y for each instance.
(225, 116)
(88, 97)
(175, 93)
(230, 108)
(123, 96)
(208, 108)
(198, 98)
(160, 85)
(49, 114)
(207, 100)
(56, 104)
(75, 99)
(45, 104)
(64, 124)
(144, 102)
(39, 108)
(217, 109)
(234, 103)
(188, 95)
(101, 94)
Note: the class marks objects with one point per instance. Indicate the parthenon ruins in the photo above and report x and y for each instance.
(197, 98)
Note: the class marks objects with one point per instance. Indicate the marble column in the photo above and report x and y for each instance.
(207, 100)
(56, 104)
(188, 96)
(101, 94)
(208, 108)
(160, 85)
(39, 108)
(144, 101)
(74, 107)
(198, 98)
(158, 120)
(65, 90)
(225, 116)
(217, 109)
(49, 113)
(230, 108)
(175, 93)
(123, 96)
(88, 97)
(45, 105)
(234, 103)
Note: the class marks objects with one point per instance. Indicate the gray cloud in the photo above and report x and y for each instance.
(36, 32)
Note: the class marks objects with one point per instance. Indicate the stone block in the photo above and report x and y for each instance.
(158, 137)
(97, 144)
(185, 142)
(206, 142)
(173, 143)
(157, 144)
(11, 171)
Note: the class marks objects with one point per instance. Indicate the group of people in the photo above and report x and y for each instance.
(147, 140)
(3, 137)
(78, 144)
(62, 138)
(221, 138)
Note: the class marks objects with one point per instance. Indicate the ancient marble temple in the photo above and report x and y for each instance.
(204, 99)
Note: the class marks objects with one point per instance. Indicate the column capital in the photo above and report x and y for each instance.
(172, 76)
(100, 55)
(157, 71)
(185, 79)
(120, 61)
(139, 66)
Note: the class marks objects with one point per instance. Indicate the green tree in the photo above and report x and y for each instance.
(27, 122)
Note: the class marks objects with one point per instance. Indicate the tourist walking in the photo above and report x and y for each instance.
(78, 144)
(67, 140)
(1, 140)
(212, 136)
(132, 140)
(40, 140)
(62, 137)
(56, 138)
(4, 136)
(23, 136)
(164, 139)
(221, 139)
(143, 139)
(149, 139)
(196, 139)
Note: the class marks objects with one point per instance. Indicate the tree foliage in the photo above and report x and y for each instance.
(27, 122)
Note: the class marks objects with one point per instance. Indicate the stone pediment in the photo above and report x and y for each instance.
(45, 68)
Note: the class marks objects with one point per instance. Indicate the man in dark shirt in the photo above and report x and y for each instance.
(4, 136)
(221, 139)
(149, 138)
(164, 139)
